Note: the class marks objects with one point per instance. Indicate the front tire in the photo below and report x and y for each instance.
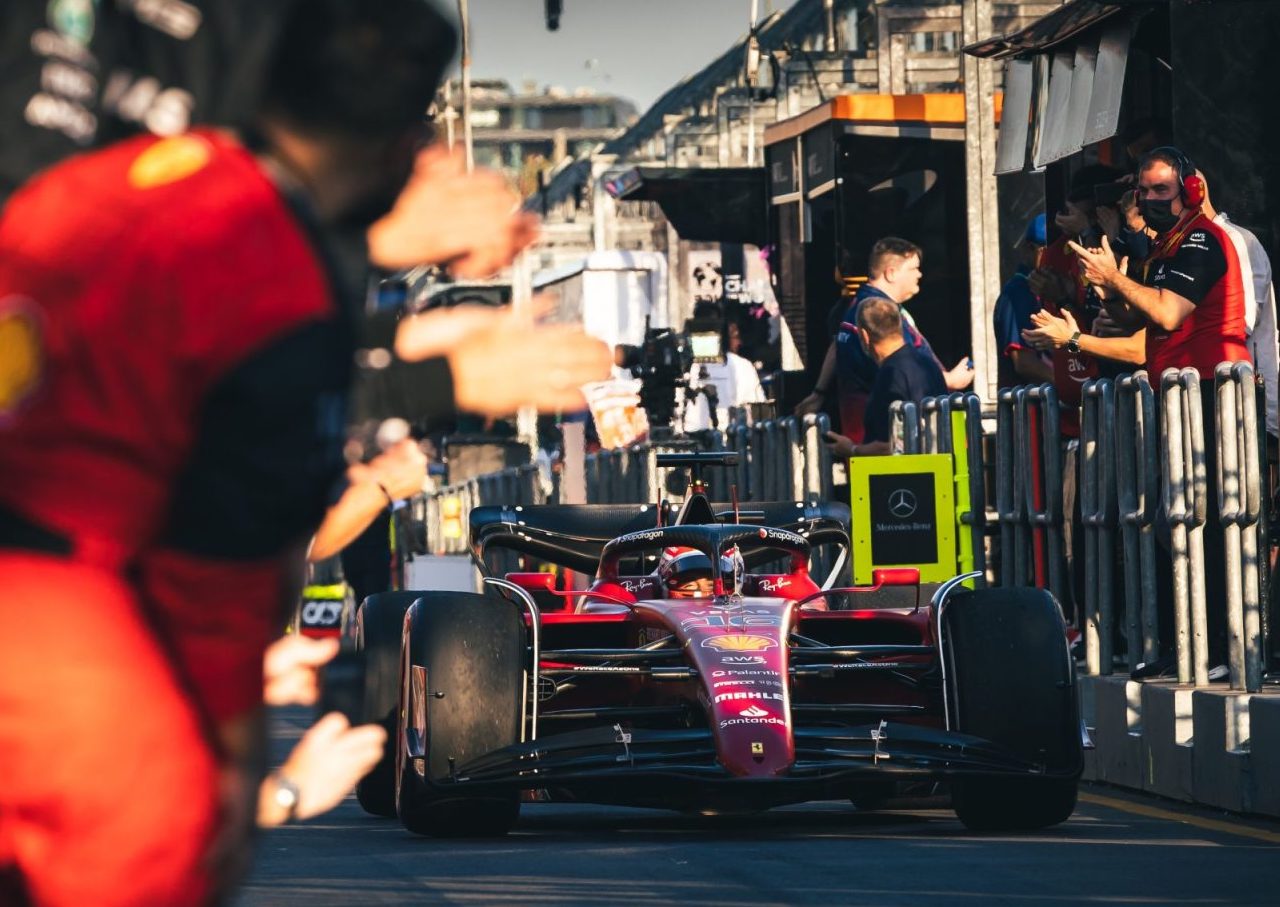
(1011, 680)
(462, 680)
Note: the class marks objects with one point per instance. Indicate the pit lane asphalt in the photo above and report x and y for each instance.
(1117, 848)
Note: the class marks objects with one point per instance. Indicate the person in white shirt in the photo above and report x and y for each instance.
(1259, 308)
(735, 380)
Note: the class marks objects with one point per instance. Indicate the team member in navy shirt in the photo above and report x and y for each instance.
(904, 372)
(894, 270)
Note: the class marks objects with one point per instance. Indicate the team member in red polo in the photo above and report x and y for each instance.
(1190, 306)
(1191, 298)
(175, 350)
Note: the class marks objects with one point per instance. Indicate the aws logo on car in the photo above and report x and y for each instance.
(738, 642)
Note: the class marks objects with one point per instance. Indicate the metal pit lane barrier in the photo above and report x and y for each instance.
(446, 511)
(778, 460)
(1029, 488)
(950, 424)
(1239, 478)
(1097, 489)
(1138, 493)
(1185, 490)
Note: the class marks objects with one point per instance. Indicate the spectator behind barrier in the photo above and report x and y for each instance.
(1019, 363)
(1191, 299)
(904, 372)
(894, 268)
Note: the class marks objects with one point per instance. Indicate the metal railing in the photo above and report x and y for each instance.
(446, 511)
(1142, 464)
(1185, 489)
(1137, 474)
(951, 424)
(1029, 489)
(1239, 478)
(778, 460)
(1097, 490)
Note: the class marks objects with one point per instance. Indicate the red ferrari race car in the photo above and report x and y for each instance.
(704, 669)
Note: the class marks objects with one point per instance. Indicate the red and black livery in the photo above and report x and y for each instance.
(775, 688)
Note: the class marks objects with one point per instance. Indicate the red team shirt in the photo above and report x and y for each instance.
(1198, 263)
(176, 412)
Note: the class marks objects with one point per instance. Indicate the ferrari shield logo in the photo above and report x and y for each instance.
(738, 642)
(21, 355)
(168, 161)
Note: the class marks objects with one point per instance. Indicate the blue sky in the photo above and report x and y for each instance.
(633, 48)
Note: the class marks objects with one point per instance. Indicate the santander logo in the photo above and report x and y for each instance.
(753, 711)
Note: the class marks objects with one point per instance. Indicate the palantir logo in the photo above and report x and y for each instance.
(902, 503)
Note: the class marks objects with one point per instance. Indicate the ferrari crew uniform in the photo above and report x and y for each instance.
(171, 405)
(1199, 263)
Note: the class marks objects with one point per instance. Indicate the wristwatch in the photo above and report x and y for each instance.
(1073, 345)
(285, 795)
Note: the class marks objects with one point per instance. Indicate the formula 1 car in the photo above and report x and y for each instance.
(704, 669)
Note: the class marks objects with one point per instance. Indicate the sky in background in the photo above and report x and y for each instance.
(636, 49)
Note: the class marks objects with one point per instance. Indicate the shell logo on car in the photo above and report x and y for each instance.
(738, 642)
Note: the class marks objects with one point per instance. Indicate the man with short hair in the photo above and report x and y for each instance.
(903, 372)
(894, 269)
(1188, 311)
(1191, 298)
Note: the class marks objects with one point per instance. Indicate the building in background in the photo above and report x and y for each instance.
(523, 133)
(717, 117)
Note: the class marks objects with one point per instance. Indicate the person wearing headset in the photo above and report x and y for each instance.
(1188, 310)
(1189, 307)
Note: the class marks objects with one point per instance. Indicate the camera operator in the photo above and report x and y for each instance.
(734, 379)
(185, 336)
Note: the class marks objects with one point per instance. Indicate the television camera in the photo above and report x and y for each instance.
(664, 361)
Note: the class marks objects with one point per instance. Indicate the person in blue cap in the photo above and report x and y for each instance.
(1019, 363)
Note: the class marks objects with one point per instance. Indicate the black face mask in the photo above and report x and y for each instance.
(1158, 213)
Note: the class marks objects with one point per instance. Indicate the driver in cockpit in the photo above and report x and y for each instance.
(686, 572)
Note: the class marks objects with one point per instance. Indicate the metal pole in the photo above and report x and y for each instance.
(1229, 509)
(753, 50)
(464, 18)
(521, 301)
(1193, 439)
(829, 16)
(1176, 512)
(449, 115)
(1006, 445)
(980, 196)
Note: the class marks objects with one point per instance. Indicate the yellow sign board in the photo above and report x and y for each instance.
(903, 515)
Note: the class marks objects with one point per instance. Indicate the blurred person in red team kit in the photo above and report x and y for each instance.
(175, 350)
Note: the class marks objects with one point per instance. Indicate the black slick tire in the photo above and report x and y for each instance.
(1011, 680)
(378, 625)
(463, 663)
